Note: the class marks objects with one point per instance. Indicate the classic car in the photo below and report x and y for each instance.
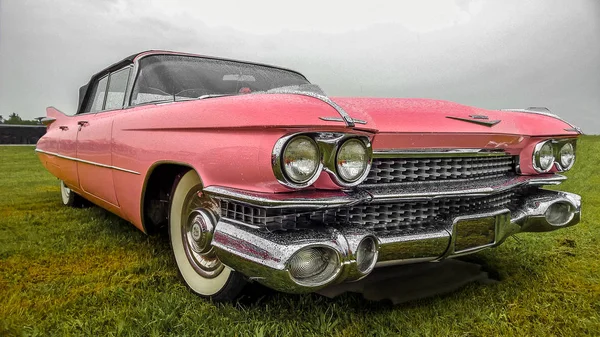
(257, 175)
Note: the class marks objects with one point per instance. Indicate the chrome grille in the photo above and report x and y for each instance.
(399, 170)
(382, 218)
(418, 215)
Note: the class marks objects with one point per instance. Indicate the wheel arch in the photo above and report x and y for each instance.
(158, 183)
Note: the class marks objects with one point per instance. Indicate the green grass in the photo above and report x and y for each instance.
(70, 271)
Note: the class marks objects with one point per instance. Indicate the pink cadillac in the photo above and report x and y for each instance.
(259, 176)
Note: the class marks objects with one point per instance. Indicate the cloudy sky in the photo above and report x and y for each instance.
(491, 54)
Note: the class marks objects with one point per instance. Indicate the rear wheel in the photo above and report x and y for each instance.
(191, 226)
(70, 198)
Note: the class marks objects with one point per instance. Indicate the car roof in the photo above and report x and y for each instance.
(135, 57)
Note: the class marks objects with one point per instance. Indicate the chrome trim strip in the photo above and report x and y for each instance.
(476, 121)
(47, 120)
(435, 190)
(86, 161)
(330, 199)
(410, 153)
(547, 114)
(298, 200)
(338, 119)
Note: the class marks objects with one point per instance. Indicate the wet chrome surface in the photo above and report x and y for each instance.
(263, 255)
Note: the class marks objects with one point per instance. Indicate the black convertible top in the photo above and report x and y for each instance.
(83, 91)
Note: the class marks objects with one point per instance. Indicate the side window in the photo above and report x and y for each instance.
(96, 99)
(116, 89)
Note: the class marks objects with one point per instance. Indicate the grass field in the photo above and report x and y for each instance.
(86, 272)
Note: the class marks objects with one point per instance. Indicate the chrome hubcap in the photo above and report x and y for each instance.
(197, 231)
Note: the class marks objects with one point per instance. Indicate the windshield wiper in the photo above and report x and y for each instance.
(214, 95)
(183, 99)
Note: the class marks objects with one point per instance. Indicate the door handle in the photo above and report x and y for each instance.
(83, 123)
(63, 127)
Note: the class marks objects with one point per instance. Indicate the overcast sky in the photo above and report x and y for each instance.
(490, 54)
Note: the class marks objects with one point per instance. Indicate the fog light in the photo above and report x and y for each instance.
(314, 266)
(560, 213)
(366, 255)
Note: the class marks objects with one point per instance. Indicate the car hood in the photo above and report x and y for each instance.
(399, 115)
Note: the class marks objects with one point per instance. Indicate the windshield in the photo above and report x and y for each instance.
(176, 77)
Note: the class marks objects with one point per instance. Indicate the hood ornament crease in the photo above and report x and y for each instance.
(315, 91)
(477, 119)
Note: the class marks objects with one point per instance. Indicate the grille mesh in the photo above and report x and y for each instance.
(418, 215)
(382, 218)
(399, 170)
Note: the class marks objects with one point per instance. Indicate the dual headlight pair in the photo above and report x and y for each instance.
(549, 152)
(298, 160)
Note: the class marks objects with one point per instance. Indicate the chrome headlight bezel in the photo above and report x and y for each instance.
(279, 167)
(559, 146)
(536, 159)
(328, 144)
(331, 144)
(366, 162)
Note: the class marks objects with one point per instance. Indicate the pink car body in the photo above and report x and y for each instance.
(128, 159)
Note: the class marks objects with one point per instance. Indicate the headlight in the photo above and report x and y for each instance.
(566, 156)
(300, 160)
(543, 156)
(352, 160)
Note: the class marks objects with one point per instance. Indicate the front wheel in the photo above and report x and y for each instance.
(70, 198)
(190, 230)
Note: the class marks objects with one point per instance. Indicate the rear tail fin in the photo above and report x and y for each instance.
(52, 114)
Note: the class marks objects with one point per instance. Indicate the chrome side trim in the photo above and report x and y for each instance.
(86, 161)
(425, 191)
(410, 153)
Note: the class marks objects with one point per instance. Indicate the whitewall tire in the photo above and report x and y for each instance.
(190, 233)
(70, 198)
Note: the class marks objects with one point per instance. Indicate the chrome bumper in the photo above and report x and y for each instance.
(264, 256)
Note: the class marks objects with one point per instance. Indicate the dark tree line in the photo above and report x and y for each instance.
(15, 119)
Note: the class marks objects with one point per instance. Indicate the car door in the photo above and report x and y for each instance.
(94, 140)
(69, 130)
